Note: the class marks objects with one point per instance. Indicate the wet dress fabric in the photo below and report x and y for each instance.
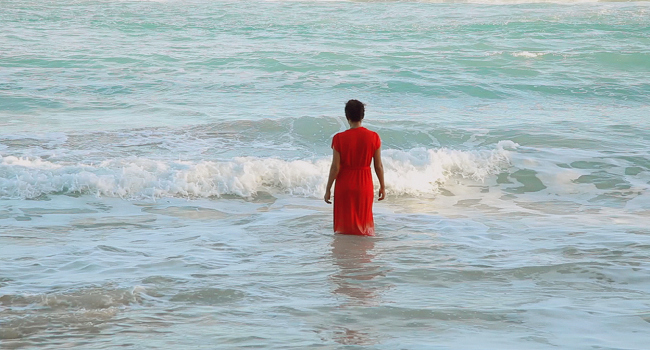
(353, 189)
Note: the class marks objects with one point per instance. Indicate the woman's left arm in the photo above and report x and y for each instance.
(334, 172)
(379, 170)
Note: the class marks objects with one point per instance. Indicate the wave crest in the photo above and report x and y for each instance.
(415, 172)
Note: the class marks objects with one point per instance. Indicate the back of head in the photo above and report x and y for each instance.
(354, 110)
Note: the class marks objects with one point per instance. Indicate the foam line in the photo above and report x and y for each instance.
(413, 172)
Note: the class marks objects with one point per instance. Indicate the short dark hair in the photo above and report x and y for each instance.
(354, 110)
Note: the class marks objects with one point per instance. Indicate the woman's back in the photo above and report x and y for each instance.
(354, 149)
(356, 146)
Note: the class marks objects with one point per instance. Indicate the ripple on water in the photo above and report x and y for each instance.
(208, 296)
(34, 317)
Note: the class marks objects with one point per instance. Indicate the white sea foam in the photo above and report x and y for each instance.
(422, 171)
(414, 172)
(528, 54)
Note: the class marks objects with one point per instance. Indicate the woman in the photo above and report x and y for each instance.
(353, 193)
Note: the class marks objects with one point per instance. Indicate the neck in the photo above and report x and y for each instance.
(354, 125)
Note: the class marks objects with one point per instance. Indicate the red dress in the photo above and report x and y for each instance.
(353, 189)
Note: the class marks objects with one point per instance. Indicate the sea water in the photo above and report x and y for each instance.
(162, 167)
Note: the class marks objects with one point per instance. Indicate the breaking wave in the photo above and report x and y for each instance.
(416, 172)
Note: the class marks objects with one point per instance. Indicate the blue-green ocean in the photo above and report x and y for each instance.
(162, 167)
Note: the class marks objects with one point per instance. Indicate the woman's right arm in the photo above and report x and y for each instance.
(379, 169)
(334, 172)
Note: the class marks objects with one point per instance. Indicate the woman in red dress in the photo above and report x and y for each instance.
(354, 149)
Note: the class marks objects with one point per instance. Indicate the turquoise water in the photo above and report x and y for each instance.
(162, 166)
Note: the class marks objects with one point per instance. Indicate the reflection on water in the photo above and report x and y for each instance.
(353, 256)
(347, 336)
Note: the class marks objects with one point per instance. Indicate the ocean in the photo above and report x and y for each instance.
(163, 163)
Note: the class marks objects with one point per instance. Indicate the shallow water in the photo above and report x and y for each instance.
(162, 164)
